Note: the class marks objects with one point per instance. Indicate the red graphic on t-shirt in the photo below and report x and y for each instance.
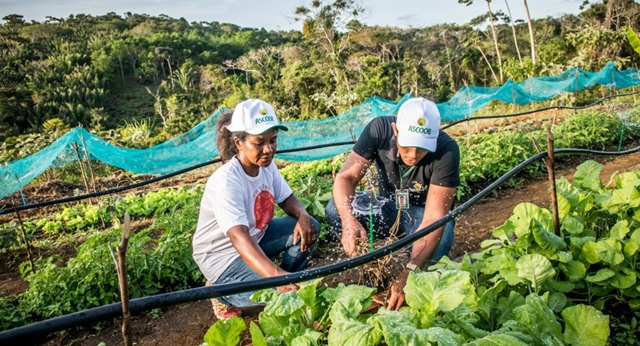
(264, 207)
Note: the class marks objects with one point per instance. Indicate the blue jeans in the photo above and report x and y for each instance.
(410, 220)
(277, 240)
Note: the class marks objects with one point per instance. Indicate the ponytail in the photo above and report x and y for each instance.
(224, 140)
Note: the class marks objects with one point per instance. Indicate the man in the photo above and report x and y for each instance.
(418, 174)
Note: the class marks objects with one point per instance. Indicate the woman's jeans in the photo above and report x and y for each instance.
(410, 220)
(277, 240)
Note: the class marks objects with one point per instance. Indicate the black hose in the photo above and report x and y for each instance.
(39, 329)
(537, 110)
(146, 182)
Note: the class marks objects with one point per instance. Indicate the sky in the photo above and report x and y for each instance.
(277, 14)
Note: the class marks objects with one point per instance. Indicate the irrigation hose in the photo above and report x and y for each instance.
(147, 182)
(162, 177)
(101, 313)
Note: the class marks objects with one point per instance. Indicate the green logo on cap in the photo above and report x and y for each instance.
(265, 119)
(421, 121)
(421, 130)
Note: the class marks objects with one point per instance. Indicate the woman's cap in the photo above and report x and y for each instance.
(418, 124)
(254, 116)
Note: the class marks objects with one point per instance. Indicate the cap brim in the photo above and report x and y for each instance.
(261, 130)
(428, 144)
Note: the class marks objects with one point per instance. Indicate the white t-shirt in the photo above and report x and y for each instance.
(233, 198)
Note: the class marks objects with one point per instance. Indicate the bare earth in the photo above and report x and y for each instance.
(186, 324)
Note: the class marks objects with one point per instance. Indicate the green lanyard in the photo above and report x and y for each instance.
(405, 174)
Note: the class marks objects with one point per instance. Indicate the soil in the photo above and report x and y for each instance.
(186, 324)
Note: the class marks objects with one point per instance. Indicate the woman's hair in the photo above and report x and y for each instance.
(226, 147)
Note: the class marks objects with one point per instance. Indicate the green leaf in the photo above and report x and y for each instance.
(585, 326)
(361, 293)
(535, 268)
(574, 270)
(438, 291)
(601, 275)
(572, 225)
(622, 200)
(257, 338)
(345, 308)
(633, 39)
(557, 301)
(522, 215)
(538, 319)
(285, 304)
(630, 248)
(352, 332)
(397, 329)
(506, 306)
(587, 176)
(564, 206)
(548, 241)
(497, 339)
(623, 279)
(273, 325)
(225, 332)
(488, 301)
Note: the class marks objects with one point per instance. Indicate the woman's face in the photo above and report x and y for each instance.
(257, 150)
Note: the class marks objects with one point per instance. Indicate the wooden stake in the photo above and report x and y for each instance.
(121, 269)
(549, 163)
(84, 175)
(93, 178)
(26, 240)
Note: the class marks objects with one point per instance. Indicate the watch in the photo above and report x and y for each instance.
(411, 266)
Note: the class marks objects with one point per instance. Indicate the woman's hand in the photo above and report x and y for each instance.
(288, 288)
(304, 232)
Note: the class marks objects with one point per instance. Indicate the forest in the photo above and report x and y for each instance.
(515, 276)
(137, 80)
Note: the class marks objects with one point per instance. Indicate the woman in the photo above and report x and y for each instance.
(237, 236)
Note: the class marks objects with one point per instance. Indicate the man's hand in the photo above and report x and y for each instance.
(351, 230)
(305, 232)
(396, 293)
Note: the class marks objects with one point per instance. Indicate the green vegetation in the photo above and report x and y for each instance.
(528, 286)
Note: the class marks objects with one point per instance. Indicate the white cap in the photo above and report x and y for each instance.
(418, 124)
(254, 116)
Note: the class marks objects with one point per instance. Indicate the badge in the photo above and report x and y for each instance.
(402, 199)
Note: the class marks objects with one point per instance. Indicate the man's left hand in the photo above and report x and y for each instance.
(396, 293)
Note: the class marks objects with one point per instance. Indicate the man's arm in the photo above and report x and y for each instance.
(439, 201)
(344, 190)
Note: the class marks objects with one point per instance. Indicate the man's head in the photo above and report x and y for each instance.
(416, 128)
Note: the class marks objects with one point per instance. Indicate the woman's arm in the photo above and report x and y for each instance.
(304, 229)
(255, 258)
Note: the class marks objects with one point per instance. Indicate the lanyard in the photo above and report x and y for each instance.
(405, 174)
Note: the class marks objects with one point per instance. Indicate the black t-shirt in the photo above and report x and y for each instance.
(378, 143)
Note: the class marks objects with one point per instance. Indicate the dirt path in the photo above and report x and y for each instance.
(187, 324)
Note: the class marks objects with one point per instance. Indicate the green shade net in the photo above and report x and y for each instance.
(198, 144)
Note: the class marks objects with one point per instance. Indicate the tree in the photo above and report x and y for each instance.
(531, 36)
(493, 34)
(322, 22)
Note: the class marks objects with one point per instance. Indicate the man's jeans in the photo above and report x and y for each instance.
(410, 219)
(277, 240)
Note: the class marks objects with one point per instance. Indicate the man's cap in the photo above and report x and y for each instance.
(254, 116)
(418, 124)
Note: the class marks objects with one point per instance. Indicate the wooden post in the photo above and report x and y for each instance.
(93, 178)
(121, 269)
(26, 240)
(549, 163)
(84, 175)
